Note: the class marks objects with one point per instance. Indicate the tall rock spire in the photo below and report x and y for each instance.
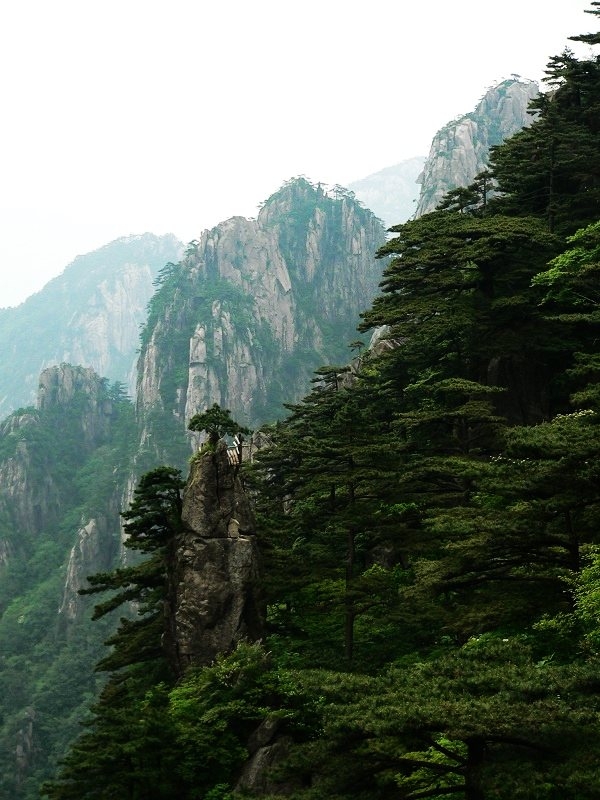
(215, 598)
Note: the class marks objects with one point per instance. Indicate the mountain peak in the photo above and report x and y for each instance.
(460, 149)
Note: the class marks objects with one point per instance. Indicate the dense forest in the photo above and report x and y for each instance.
(428, 522)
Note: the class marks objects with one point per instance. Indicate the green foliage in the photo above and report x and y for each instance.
(440, 508)
(429, 524)
(121, 751)
(217, 422)
(215, 710)
(486, 720)
(550, 169)
(321, 485)
(47, 662)
(587, 599)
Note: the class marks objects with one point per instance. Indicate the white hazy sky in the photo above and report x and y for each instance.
(126, 116)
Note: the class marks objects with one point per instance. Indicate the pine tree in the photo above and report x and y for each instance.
(457, 295)
(122, 753)
(323, 485)
(550, 169)
(217, 422)
(487, 720)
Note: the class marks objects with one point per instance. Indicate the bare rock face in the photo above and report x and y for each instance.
(215, 596)
(256, 305)
(25, 745)
(93, 551)
(89, 315)
(61, 387)
(266, 748)
(31, 497)
(460, 150)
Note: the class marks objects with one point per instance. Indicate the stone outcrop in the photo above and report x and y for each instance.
(89, 315)
(25, 745)
(78, 392)
(460, 150)
(215, 597)
(94, 551)
(258, 304)
(267, 747)
(31, 496)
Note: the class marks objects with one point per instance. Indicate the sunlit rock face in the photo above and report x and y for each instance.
(460, 150)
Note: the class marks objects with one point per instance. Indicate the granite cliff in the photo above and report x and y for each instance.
(73, 408)
(460, 150)
(88, 315)
(255, 306)
(215, 596)
(63, 465)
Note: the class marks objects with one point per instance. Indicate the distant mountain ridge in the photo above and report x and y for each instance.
(89, 315)
(391, 193)
(458, 152)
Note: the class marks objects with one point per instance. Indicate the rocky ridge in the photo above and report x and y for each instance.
(256, 305)
(460, 150)
(89, 315)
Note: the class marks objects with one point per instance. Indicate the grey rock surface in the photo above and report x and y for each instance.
(215, 599)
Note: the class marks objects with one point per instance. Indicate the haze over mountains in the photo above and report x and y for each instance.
(91, 314)
(241, 317)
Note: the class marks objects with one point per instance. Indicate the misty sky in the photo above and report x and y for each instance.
(126, 116)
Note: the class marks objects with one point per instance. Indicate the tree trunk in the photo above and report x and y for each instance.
(350, 612)
(475, 758)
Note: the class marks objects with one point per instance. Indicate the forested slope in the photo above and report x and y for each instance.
(429, 527)
(63, 465)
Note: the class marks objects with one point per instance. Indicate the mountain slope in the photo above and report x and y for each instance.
(460, 150)
(62, 468)
(256, 306)
(88, 315)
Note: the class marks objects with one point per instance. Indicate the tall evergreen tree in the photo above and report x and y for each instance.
(457, 297)
(121, 754)
(550, 169)
(323, 487)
